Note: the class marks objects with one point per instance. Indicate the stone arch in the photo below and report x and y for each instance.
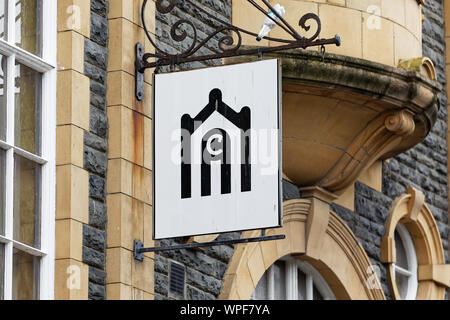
(339, 257)
(433, 274)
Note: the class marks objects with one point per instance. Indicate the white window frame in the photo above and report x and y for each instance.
(313, 278)
(411, 257)
(46, 65)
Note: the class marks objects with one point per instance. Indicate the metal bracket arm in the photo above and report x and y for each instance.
(139, 249)
(228, 38)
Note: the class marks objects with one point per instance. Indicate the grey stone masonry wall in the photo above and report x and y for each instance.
(432, 155)
(423, 167)
(368, 223)
(95, 150)
(204, 25)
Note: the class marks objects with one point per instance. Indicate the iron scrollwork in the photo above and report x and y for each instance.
(228, 37)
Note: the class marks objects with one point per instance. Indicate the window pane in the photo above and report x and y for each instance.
(27, 109)
(402, 260)
(3, 17)
(2, 270)
(301, 285)
(402, 284)
(2, 97)
(261, 289)
(25, 276)
(280, 280)
(2, 190)
(28, 25)
(316, 294)
(27, 201)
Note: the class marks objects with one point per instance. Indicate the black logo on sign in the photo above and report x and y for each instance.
(216, 145)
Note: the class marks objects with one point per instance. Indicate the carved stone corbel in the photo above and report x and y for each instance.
(381, 136)
(318, 218)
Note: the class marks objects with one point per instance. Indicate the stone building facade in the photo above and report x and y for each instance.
(423, 167)
(96, 150)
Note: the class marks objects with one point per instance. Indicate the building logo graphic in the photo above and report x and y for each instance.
(216, 150)
(216, 144)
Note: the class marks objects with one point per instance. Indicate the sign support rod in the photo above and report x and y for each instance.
(139, 249)
(227, 36)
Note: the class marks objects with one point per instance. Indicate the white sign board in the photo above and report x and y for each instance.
(217, 140)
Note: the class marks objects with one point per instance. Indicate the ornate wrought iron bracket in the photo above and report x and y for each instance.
(227, 45)
(139, 249)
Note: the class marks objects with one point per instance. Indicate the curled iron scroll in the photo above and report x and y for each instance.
(165, 9)
(176, 32)
(304, 20)
(226, 43)
(179, 37)
(225, 40)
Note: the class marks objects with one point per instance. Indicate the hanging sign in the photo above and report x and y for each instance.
(217, 150)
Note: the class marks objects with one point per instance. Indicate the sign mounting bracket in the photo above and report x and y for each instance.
(139, 249)
(227, 36)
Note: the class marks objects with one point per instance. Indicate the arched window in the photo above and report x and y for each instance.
(405, 268)
(292, 279)
(28, 71)
(413, 252)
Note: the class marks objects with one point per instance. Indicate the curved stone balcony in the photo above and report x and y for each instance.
(341, 114)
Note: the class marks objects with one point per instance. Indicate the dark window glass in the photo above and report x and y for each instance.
(2, 191)
(27, 130)
(3, 18)
(27, 201)
(29, 25)
(25, 276)
(280, 280)
(2, 270)
(2, 97)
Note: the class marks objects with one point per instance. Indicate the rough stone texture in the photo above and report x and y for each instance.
(434, 46)
(192, 293)
(94, 238)
(95, 161)
(94, 258)
(96, 292)
(95, 54)
(98, 121)
(204, 25)
(433, 154)
(368, 225)
(204, 269)
(97, 276)
(290, 191)
(161, 284)
(97, 188)
(97, 214)
(95, 142)
(96, 149)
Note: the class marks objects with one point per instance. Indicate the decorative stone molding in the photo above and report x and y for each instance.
(401, 123)
(381, 136)
(341, 260)
(433, 274)
(440, 274)
(318, 218)
(423, 65)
